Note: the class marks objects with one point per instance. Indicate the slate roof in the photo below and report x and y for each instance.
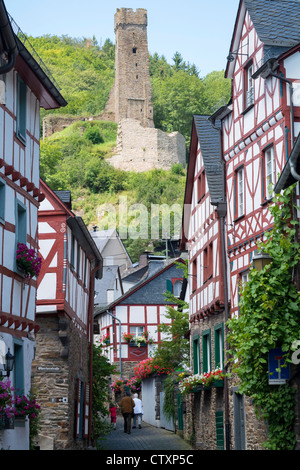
(210, 143)
(276, 23)
(106, 282)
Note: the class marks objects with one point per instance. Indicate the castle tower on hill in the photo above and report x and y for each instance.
(133, 93)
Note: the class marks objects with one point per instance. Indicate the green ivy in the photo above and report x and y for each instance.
(268, 318)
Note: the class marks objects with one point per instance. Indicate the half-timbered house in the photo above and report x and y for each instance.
(62, 369)
(25, 86)
(203, 235)
(257, 129)
(138, 313)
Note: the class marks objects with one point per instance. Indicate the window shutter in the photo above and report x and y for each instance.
(77, 408)
(220, 430)
(169, 286)
(196, 355)
(86, 410)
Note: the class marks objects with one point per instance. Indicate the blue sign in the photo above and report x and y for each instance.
(279, 369)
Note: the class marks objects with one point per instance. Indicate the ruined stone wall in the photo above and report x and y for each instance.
(62, 355)
(143, 149)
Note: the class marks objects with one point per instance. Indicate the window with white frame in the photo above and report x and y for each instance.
(249, 87)
(269, 171)
(240, 192)
(136, 330)
(21, 222)
(177, 288)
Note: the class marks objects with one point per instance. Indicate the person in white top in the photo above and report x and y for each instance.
(137, 411)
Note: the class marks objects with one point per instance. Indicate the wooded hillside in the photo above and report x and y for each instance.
(76, 157)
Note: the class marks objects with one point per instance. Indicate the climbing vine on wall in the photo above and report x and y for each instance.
(269, 318)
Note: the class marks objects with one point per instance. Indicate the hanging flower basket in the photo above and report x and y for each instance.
(28, 261)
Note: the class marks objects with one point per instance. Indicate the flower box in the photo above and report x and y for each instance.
(5, 422)
(137, 345)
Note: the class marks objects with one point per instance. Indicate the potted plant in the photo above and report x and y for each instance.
(128, 337)
(106, 339)
(117, 385)
(28, 261)
(140, 341)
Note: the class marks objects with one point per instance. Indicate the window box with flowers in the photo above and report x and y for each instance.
(197, 382)
(28, 261)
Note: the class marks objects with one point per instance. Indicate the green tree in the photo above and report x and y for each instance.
(269, 318)
(174, 350)
(102, 369)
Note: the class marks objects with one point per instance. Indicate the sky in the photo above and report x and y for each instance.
(200, 30)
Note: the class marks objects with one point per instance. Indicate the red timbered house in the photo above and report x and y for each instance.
(257, 130)
(62, 369)
(203, 236)
(138, 312)
(25, 86)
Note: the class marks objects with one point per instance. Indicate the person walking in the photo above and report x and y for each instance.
(127, 405)
(137, 411)
(113, 414)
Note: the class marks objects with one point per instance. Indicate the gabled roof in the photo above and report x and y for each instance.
(276, 23)
(77, 226)
(208, 136)
(21, 55)
(100, 310)
(210, 144)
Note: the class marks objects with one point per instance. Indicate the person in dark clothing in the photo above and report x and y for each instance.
(127, 405)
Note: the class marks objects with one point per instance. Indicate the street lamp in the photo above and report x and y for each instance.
(9, 363)
(260, 260)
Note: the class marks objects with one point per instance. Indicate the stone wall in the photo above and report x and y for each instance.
(143, 149)
(62, 356)
(200, 419)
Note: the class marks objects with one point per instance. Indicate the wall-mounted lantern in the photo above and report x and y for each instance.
(9, 363)
(261, 260)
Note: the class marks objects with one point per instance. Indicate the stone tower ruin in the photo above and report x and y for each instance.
(133, 93)
(140, 147)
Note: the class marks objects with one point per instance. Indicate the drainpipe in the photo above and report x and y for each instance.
(226, 313)
(91, 317)
(11, 46)
(222, 210)
(120, 356)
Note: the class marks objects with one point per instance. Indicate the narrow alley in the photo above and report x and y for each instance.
(146, 438)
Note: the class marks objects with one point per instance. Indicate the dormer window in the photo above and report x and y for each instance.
(249, 86)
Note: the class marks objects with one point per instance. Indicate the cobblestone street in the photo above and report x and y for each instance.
(146, 438)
